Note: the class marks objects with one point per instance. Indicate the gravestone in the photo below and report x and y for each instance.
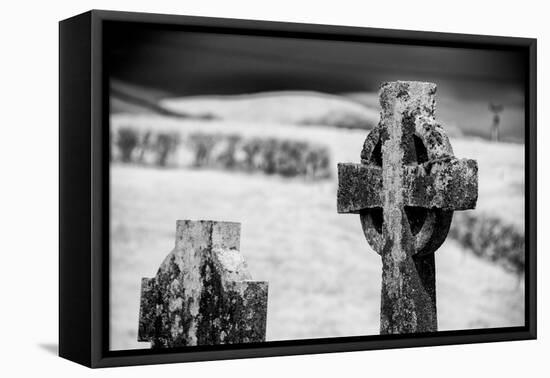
(203, 293)
(405, 191)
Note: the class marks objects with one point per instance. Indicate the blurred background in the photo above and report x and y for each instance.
(250, 129)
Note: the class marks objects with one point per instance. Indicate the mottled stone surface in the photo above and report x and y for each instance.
(405, 190)
(449, 184)
(359, 187)
(203, 293)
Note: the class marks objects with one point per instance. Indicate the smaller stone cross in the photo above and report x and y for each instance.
(405, 190)
(203, 293)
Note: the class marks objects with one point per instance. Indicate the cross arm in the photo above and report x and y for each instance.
(359, 187)
(148, 309)
(448, 184)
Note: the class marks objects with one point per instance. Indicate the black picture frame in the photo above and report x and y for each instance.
(84, 191)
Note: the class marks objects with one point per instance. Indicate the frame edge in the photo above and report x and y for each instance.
(74, 192)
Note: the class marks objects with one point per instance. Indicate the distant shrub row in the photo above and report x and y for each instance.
(490, 238)
(283, 157)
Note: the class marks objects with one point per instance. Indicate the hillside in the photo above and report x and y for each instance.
(318, 264)
(460, 115)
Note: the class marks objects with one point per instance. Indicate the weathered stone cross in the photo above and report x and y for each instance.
(203, 293)
(405, 190)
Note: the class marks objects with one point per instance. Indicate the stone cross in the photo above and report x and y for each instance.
(405, 190)
(203, 293)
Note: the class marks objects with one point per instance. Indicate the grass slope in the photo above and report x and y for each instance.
(324, 280)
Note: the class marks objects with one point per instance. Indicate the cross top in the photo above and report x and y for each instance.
(405, 190)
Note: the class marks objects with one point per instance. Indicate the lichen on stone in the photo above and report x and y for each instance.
(406, 189)
(203, 293)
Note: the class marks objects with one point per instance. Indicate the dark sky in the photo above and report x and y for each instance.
(202, 63)
(190, 63)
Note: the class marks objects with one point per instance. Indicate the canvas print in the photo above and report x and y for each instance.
(269, 188)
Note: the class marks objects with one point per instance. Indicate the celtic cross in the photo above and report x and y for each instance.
(405, 190)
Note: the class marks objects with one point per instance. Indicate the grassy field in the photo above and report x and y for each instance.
(324, 280)
(464, 111)
(501, 186)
